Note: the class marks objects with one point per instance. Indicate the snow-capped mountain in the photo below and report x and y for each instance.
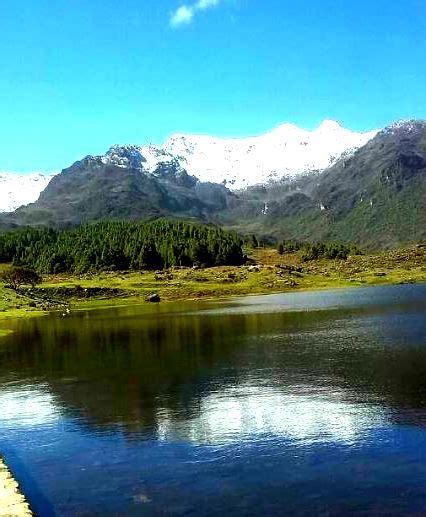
(20, 189)
(374, 196)
(286, 151)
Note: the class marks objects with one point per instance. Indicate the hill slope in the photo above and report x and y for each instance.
(94, 189)
(376, 197)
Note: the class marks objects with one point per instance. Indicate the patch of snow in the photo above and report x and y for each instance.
(265, 209)
(286, 151)
(20, 189)
(407, 125)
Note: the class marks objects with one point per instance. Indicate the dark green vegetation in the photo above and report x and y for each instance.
(15, 277)
(375, 197)
(121, 245)
(316, 250)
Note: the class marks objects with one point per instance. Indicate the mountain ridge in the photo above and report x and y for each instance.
(285, 151)
(374, 195)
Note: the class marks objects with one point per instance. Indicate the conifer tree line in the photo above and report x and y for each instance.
(316, 250)
(121, 245)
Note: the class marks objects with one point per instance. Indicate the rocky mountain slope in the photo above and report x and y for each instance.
(377, 196)
(237, 162)
(374, 195)
(98, 188)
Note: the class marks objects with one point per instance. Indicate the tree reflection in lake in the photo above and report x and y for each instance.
(243, 372)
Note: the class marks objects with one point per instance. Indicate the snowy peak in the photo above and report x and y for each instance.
(405, 127)
(146, 158)
(124, 156)
(20, 189)
(329, 125)
(286, 151)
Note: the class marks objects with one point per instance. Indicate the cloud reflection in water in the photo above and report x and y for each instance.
(28, 407)
(247, 412)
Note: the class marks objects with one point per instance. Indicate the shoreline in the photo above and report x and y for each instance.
(270, 273)
(12, 500)
(113, 303)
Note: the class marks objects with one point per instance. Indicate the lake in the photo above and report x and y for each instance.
(308, 403)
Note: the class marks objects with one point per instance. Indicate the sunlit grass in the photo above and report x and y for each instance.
(267, 277)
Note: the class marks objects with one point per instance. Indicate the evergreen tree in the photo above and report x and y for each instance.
(121, 245)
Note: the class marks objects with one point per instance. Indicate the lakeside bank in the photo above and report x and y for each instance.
(12, 501)
(268, 272)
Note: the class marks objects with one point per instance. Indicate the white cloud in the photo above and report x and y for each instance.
(182, 16)
(205, 4)
(186, 12)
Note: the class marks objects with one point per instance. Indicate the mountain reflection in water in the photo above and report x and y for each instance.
(149, 396)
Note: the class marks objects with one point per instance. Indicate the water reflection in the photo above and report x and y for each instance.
(27, 407)
(250, 413)
(216, 406)
(137, 370)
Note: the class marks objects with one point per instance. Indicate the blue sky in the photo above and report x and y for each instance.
(80, 75)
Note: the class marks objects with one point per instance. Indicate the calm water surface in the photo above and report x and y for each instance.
(293, 404)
